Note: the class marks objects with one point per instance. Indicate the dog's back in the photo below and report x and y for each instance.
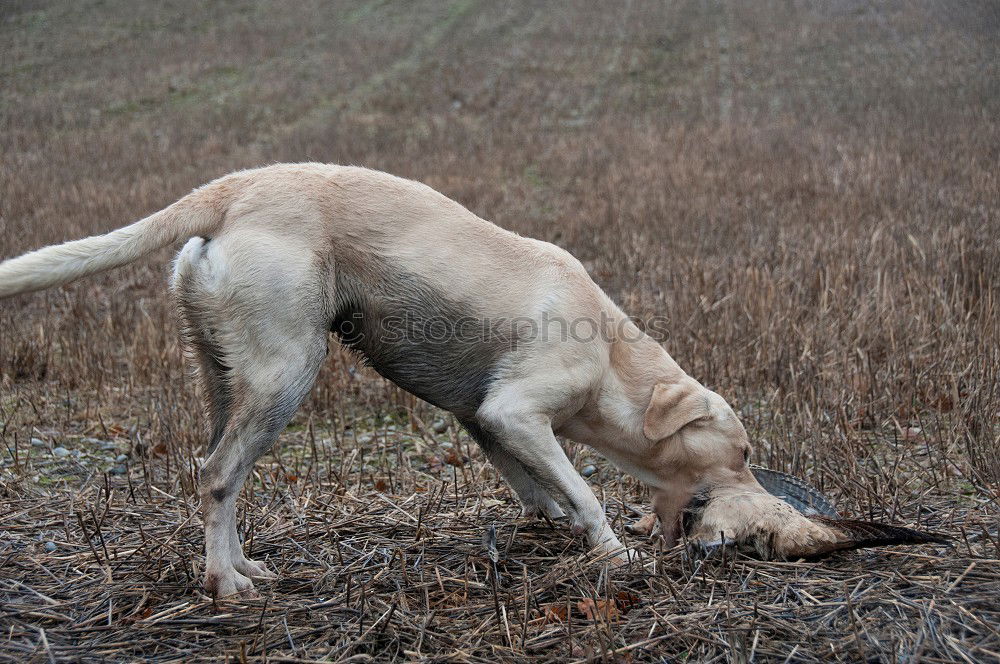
(448, 306)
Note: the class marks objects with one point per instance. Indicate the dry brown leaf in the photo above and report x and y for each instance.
(141, 615)
(602, 609)
(626, 600)
(555, 612)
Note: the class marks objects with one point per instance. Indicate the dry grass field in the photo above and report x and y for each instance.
(809, 191)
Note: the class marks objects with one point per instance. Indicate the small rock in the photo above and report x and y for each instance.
(103, 444)
(60, 452)
(365, 438)
(439, 426)
(119, 470)
(588, 470)
(50, 546)
(76, 454)
(38, 442)
(121, 458)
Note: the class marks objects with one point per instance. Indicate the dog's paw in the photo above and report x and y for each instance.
(253, 569)
(647, 526)
(617, 558)
(625, 557)
(610, 550)
(228, 583)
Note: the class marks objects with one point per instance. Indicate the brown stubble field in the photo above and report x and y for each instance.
(809, 191)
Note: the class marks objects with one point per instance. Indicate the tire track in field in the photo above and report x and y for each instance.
(725, 81)
(351, 100)
(518, 50)
(588, 110)
(717, 96)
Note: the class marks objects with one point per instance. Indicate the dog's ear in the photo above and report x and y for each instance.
(672, 406)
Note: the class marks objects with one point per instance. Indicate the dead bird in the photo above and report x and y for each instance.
(789, 520)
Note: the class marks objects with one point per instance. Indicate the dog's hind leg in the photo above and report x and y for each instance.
(263, 303)
(195, 307)
(264, 410)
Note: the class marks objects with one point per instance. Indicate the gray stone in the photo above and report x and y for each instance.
(60, 452)
(119, 470)
(588, 470)
(38, 442)
(439, 426)
(50, 546)
(103, 444)
(121, 458)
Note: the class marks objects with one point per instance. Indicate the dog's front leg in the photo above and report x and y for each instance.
(534, 499)
(528, 437)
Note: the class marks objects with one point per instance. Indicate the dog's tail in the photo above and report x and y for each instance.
(199, 213)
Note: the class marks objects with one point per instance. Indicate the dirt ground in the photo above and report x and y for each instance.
(807, 191)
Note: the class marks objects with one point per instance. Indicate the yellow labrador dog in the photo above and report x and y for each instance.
(508, 333)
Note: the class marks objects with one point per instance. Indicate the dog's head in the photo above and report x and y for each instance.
(702, 455)
(699, 445)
